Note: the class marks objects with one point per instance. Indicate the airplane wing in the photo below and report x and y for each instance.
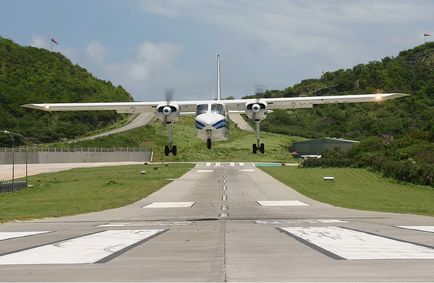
(238, 105)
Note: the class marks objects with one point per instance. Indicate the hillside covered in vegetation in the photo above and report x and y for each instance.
(397, 137)
(35, 75)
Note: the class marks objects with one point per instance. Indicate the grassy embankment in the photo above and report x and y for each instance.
(190, 148)
(85, 190)
(358, 189)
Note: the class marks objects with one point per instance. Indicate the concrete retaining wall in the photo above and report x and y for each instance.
(75, 157)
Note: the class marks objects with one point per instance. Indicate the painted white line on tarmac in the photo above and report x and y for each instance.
(217, 164)
(149, 223)
(247, 170)
(350, 244)
(170, 204)
(232, 164)
(86, 249)
(204, 171)
(419, 228)
(281, 203)
(208, 164)
(12, 235)
(298, 221)
(241, 164)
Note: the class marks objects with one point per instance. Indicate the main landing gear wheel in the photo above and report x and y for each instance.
(208, 143)
(256, 148)
(168, 150)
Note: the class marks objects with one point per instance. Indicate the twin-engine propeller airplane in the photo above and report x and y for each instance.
(212, 115)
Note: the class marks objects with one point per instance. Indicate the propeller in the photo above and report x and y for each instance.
(169, 93)
(259, 93)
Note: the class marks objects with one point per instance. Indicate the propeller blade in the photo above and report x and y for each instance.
(259, 91)
(169, 94)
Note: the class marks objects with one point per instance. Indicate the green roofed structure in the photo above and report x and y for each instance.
(316, 147)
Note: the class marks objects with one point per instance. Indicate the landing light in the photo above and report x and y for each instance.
(46, 106)
(378, 97)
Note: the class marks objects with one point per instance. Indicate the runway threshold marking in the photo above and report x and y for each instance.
(241, 164)
(342, 243)
(281, 203)
(247, 170)
(217, 164)
(232, 164)
(170, 204)
(12, 235)
(149, 223)
(208, 164)
(299, 221)
(95, 248)
(419, 228)
(204, 171)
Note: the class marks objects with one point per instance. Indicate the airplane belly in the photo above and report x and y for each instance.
(216, 134)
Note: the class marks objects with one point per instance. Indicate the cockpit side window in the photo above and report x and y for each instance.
(201, 108)
(218, 108)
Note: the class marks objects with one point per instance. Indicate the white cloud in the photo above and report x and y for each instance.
(96, 51)
(40, 41)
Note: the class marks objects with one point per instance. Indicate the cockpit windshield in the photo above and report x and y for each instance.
(218, 108)
(201, 108)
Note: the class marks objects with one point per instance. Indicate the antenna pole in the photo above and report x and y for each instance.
(219, 97)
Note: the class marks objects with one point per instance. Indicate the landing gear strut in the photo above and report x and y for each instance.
(208, 140)
(258, 146)
(170, 148)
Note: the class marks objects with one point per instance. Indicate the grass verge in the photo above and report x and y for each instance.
(86, 190)
(358, 189)
(190, 148)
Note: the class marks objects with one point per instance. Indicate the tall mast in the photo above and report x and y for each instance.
(219, 95)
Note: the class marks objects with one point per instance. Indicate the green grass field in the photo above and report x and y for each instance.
(190, 148)
(85, 190)
(357, 188)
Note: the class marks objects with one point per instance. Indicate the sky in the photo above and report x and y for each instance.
(146, 45)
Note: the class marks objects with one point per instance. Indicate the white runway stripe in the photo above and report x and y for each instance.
(11, 235)
(350, 244)
(419, 228)
(247, 170)
(86, 249)
(281, 203)
(217, 164)
(170, 204)
(232, 164)
(204, 171)
(241, 164)
(208, 164)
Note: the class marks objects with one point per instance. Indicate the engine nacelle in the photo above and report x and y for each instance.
(257, 111)
(167, 113)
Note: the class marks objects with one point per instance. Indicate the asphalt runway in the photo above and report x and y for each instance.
(221, 222)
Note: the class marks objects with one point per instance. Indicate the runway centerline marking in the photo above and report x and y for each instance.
(13, 235)
(419, 228)
(98, 247)
(170, 204)
(353, 245)
(204, 171)
(281, 203)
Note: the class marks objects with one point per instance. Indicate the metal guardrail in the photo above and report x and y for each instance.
(9, 186)
(76, 149)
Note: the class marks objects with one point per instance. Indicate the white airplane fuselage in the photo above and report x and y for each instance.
(212, 126)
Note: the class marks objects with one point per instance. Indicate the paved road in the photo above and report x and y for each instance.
(240, 122)
(209, 226)
(141, 120)
(35, 169)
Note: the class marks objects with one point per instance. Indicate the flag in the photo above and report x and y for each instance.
(54, 41)
(426, 34)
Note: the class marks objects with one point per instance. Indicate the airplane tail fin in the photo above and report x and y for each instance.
(219, 95)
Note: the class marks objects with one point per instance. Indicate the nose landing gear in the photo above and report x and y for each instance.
(258, 146)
